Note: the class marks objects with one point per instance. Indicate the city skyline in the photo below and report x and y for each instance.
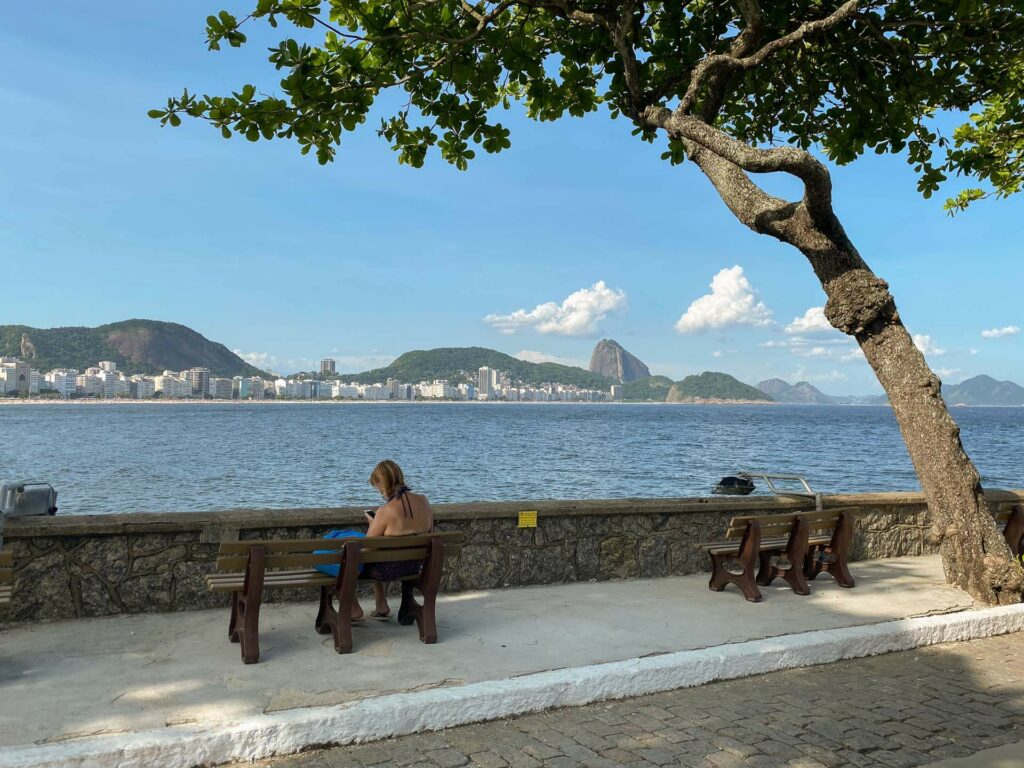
(394, 259)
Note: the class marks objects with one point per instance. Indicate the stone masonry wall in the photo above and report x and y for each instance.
(95, 565)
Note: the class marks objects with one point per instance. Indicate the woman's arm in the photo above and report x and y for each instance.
(378, 525)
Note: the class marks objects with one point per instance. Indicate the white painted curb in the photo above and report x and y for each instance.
(403, 713)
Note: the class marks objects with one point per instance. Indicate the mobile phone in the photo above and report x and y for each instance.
(370, 512)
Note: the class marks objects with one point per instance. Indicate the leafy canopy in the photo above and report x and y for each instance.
(875, 80)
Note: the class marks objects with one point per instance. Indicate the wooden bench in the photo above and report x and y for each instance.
(6, 577)
(247, 568)
(1011, 522)
(795, 547)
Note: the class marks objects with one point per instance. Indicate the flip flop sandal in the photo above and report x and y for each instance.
(381, 616)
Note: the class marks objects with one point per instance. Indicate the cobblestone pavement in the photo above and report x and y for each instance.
(902, 709)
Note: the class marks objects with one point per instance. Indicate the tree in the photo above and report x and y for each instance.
(738, 87)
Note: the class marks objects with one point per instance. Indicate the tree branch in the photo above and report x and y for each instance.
(732, 63)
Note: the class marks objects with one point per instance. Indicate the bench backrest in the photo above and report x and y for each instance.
(6, 568)
(299, 553)
(776, 525)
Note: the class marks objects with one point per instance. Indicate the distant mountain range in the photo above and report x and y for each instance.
(978, 391)
(984, 390)
(137, 346)
(450, 362)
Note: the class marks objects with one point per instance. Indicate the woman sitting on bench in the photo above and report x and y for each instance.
(403, 513)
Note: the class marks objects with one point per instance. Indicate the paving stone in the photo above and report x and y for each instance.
(487, 760)
(895, 711)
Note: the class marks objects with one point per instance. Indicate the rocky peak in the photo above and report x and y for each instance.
(610, 359)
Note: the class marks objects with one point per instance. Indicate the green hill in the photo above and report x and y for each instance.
(984, 390)
(648, 389)
(137, 346)
(712, 385)
(453, 363)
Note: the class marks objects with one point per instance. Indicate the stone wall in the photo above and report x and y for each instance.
(94, 565)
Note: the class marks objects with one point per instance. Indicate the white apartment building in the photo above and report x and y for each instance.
(221, 388)
(107, 366)
(345, 391)
(62, 382)
(486, 384)
(88, 385)
(439, 389)
(376, 392)
(171, 386)
(35, 381)
(114, 385)
(142, 387)
(257, 388)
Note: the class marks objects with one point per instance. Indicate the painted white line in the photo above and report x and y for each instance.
(404, 713)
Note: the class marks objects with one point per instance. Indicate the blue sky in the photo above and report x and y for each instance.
(105, 216)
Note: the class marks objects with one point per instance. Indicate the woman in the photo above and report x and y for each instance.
(403, 513)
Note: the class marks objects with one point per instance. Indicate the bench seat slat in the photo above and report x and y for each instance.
(6, 559)
(276, 546)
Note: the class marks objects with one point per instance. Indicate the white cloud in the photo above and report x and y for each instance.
(947, 373)
(732, 301)
(813, 320)
(998, 333)
(263, 360)
(838, 349)
(578, 315)
(826, 377)
(532, 356)
(928, 347)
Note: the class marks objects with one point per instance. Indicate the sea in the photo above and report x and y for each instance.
(144, 458)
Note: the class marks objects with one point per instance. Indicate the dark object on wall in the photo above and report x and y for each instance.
(27, 499)
(734, 486)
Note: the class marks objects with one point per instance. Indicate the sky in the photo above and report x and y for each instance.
(578, 232)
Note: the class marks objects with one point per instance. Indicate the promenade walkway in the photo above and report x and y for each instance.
(92, 686)
(959, 705)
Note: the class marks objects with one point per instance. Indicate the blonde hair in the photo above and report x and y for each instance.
(387, 477)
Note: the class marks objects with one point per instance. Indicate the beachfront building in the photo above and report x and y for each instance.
(221, 388)
(327, 366)
(616, 392)
(257, 388)
(487, 384)
(88, 385)
(114, 384)
(467, 392)
(16, 374)
(61, 381)
(171, 386)
(375, 392)
(142, 387)
(199, 379)
(108, 366)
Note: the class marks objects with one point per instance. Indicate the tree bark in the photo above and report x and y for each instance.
(974, 554)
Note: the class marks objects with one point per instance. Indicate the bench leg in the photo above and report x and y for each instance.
(429, 584)
(832, 557)
(244, 625)
(720, 578)
(339, 622)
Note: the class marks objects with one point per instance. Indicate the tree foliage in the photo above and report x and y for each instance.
(867, 75)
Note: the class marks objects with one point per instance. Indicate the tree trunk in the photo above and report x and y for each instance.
(974, 555)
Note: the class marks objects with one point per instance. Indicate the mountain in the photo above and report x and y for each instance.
(649, 389)
(984, 390)
(137, 346)
(712, 385)
(611, 360)
(773, 387)
(453, 362)
(802, 392)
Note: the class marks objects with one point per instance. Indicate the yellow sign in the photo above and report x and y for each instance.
(528, 519)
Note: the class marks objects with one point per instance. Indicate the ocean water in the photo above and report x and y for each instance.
(162, 458)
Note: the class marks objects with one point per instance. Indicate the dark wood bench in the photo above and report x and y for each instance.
(796, 547)
(247, 568)
(1011, 522)
(6, 577)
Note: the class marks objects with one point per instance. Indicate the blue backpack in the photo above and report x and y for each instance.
(332, 570)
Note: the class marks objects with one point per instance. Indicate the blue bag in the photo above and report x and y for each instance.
(332, 570)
